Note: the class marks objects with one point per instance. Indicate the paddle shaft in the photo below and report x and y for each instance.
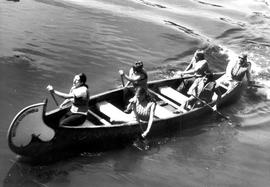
(122, 80)
(54, 98)
(222, 115)
(103, 121)
(259, 86)
(164, 99)
(208, 105)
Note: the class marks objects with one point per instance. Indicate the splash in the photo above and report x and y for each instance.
(259, 63)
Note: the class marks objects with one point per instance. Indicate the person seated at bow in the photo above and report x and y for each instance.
(79, 97)
(236, 71)
(143, 106)
(197, 67)
(137, 76)
(202, 91)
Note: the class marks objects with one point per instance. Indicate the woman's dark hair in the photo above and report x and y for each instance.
(138, 65)
(209, 76)
(83, 79)
(141, 91)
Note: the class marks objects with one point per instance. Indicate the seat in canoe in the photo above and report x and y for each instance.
(173, 94)
(117, 115)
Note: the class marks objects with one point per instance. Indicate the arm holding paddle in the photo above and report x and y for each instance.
(137, 75)
(123, 75)
(65, 96)
(197, 64)
(60, 94)
(79, 95)
(132, 77)
(190, 65)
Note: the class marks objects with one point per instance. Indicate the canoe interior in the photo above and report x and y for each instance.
(119, 98)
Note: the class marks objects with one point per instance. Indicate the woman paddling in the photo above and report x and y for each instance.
(79, 96)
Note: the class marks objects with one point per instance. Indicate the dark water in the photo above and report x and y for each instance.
(47, 42)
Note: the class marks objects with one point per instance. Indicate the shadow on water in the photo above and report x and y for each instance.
(21, 174)
(31, 174)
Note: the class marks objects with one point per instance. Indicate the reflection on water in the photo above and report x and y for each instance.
(24, 175)
(113, 164)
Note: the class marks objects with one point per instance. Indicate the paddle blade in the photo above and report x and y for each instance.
(141, 144)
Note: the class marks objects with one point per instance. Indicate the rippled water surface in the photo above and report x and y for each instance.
(46, 42)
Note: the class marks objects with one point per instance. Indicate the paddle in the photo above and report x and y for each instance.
(103, 121)
(265, 88)
(181, 76)
(123, 84)
(54, 98)
(258, 85)
(187, 76)
(122, 80)
(219, 113)
(222, 115)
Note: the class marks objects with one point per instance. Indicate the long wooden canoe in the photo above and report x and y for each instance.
(34, 132)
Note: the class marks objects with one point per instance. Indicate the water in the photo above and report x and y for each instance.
(47, 42)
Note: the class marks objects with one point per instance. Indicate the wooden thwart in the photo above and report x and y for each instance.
(167, 101)
(114, 113)
(162, 113)
(173, 94)
(103, 121)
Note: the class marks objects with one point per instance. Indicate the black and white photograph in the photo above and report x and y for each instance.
(135, 93)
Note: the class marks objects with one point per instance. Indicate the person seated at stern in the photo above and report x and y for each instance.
(236, 71)
(79, 96)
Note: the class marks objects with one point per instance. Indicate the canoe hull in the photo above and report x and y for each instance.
(44, 136)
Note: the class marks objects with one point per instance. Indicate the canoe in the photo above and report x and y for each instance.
(34, 132)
